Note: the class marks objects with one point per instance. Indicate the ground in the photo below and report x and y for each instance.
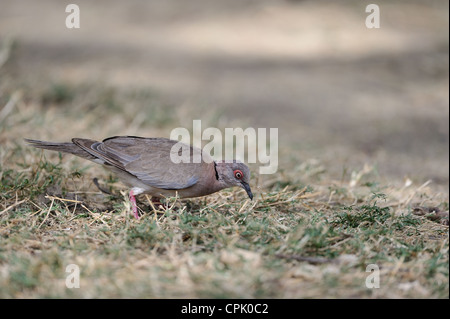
(363, 168)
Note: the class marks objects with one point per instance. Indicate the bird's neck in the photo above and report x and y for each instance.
(219, 172)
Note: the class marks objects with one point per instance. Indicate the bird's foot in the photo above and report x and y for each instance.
(133, 204)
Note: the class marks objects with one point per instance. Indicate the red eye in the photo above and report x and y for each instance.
(238, 174)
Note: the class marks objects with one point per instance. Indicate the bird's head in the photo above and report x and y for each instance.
(234, 173)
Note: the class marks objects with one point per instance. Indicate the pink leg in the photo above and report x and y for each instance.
(133, 204)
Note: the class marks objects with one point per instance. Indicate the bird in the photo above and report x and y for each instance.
(145, 165)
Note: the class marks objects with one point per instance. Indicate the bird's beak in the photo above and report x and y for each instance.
(247, 189)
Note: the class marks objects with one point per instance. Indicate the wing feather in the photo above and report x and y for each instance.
(148, 159)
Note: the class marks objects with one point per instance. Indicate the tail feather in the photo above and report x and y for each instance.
(62, 147)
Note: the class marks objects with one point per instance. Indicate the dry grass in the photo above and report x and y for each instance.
(302, 236)
(307, 233)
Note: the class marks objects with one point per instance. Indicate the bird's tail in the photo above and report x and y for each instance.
(61, 147)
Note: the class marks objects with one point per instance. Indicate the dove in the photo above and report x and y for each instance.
(145, 165)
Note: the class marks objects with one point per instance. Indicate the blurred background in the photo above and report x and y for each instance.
(343, 96)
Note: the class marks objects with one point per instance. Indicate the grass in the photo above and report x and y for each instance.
(285, 244)
(305, 235)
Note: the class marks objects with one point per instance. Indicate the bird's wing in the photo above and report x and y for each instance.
(148, 159)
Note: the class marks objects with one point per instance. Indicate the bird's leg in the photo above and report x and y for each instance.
(133, 204)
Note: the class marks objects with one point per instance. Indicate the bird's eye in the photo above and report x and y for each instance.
(238, 174)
